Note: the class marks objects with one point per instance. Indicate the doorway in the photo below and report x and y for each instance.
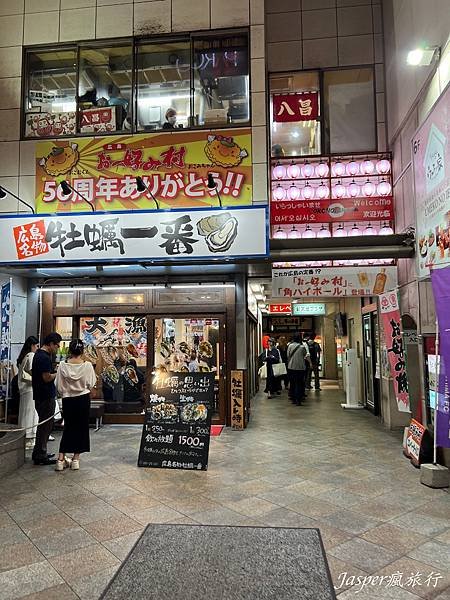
(371, 362)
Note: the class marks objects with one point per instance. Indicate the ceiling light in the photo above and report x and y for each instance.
(421, 57)
(186, 286)
(119, 288)
(67, 289)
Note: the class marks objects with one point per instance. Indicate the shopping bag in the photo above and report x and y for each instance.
(279, 369)
(263, 371)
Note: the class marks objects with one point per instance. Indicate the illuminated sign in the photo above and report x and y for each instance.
(309, 309)
(277, 309)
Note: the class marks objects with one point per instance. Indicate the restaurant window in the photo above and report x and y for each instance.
(349, 110)
(105, 88)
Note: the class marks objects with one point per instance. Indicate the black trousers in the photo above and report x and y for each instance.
(313, 369)
(297, 385)
(45, 408)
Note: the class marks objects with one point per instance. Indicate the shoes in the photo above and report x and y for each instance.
(318, 389)
(44, 461)
(51, 455)
(75, 465)
(51, 439)
(63, 464)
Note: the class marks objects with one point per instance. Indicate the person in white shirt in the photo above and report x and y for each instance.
(28, 417)
(74, 381)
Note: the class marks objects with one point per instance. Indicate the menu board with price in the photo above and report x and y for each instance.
(177, 422)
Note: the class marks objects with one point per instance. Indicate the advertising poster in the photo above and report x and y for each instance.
(390, 316)
(431, 163)
(5, 338)
(174, 167)
(416, 432)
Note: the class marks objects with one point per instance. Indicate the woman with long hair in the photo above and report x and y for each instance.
(28, 417)
(74, 381)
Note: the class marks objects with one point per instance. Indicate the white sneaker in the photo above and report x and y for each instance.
(75, 465)
(51, 438)
(60, 465)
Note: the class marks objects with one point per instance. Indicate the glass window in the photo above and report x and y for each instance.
(63, 326)
(106, 298)
(221, 81)
(164, 84)
(50, 91)
(349, 105)
(105, 88)
(294, 138)
(63, 299)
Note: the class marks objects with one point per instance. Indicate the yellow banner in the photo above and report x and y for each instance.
(173, 166)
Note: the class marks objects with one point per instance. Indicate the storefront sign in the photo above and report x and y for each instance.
(329, 211)
(237, 396)
(390, 316)
(45, 124)
(414, 439)
(323, 282)
(140, 235)
(303, 106)
(98, 120)
(440, 280)
(431, 162)
(177, 422)
(276, 309)
(5, 338)
(309, 309)
(173, 166)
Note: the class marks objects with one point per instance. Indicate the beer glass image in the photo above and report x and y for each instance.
(363, 279)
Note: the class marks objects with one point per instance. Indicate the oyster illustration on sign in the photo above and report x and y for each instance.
(219, 231)
(224, 151)
(60, 160)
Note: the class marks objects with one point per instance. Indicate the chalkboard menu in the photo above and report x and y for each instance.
(177, 422)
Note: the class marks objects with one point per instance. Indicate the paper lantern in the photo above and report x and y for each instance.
(352, 168)
(369, 188)
(339, 190)
(322, 191)
(322, 169)
(307, 170)
(367, 167)
(279, 172)
(308, 192)
(369, 230)
(294, 192)
(279, 193)
(293, 171)
(280, 234)
(383, 166)
(308, 233)
(384, 188)
(338, 169)
(386, 230)
(353, 189)
(340, 232)
(324, 232)
(355, 230)
(294, 233)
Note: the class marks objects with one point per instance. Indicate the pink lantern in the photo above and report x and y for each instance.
(386, 230)
(383, 166)
(353, 189)
(324, 232)
(294, 233)
(294, 192)
(293, 171)
(308, 233)
(322, 191)
(339, 190)
(367, 167)
(307, 170)
(355, 230)
(279, 172)
(369, 230)
(279, 193)
(384, 188)
(308, 192)
(322, 169)
(352, 168)
(369, 188)
(338, 169)
(340, 231)
(280, 234)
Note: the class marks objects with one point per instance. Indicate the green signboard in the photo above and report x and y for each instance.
(312, 309)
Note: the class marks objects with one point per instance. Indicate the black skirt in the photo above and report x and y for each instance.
(75, 437)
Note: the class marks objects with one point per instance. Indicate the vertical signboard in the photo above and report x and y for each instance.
(5, 339)
(237, 394)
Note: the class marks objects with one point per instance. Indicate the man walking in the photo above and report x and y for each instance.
(296, 354)
(44, 395)
(314, 354)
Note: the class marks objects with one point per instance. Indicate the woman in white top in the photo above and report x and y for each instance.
(28, 417)
(74, 381)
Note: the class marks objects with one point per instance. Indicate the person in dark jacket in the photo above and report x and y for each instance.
(272, 356)
(282, 347)
(297, 356)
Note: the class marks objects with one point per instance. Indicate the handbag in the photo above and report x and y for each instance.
(279, 369)
(263, 371)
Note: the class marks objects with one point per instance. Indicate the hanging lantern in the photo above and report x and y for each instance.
(384, 188)
(307, 170)
(324, 232)
(294, 233)
(369, 230)
(340, 231)
(355, 230)
(322, 191)
(308, 192)
(308, 233)
(353, 189)
(294, 192)
(386, 230)
(279, 193)
(338, 169)
(322, 169)
(293, 171)
(367, 167)
(352, 168)
(279, 172)
(369, 188)
(280, 234)
(383, 166)
(339, 190)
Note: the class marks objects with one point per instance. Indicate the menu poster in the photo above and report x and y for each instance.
(177, 422)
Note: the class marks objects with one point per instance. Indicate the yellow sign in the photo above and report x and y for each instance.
(173, 166)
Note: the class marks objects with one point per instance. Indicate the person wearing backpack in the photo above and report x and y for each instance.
(28, 417)
(297, 356)
(314, 353)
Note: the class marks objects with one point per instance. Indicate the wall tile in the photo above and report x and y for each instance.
(12, 31)
(257, 41)
(284, 56)
(27, 160)
(355, 20)
(259, 145)
(41, 28)
(37, 6)
(381, 108)
(260, 183)
(377, 19)
(152, 17)
(352, 2)
(379, 78)
(114, 21)
(9, 204)
(356, 48)
(27, 189)
(66, 4)
(319, 24)
(284, 27)
(316, 4)
(10, 120)
(257, 12)
(11, 7)
(259, 108)
(9, 159)
(231, 13)
(378, 48)
(280, 6)
(320, 53)
(258, 75)
(77, 24)
(10, 92)
(11, 61)
(189, 16)
(381, 137)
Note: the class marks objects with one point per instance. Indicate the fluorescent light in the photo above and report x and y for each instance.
(67, 289)
(421, 57)
(119, 288)
(200, 286)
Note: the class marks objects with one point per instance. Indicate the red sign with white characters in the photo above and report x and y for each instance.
(95, 120)
(330, 211)
(277, 309)
(30, 239)
(288, 108)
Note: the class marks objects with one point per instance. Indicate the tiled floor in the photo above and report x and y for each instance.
(63, 535)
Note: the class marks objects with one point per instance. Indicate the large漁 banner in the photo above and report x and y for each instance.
(174, 167)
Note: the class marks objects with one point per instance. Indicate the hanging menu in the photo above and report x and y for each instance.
(177, 422)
